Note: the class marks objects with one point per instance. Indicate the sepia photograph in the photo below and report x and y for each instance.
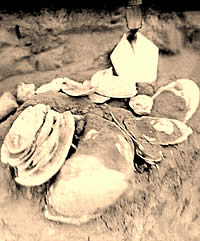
(100, 120)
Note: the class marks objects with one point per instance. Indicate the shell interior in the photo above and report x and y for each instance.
(188, 90)
(109, 85)
(94, 177)
(155, 130)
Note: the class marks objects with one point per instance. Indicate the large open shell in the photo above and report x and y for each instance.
(38, 143)
(107, 84)
(158, 130)
(187, 90)
(94, 177)
(150, 134)
(136, 61)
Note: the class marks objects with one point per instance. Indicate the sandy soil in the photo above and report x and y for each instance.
(162, 205)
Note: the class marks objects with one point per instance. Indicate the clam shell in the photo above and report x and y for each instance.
(150, 134)
(136, 61)
(188, 90)
(94, 177)
(141, 104)
(38, 143)
(155, 130)
(107, 84)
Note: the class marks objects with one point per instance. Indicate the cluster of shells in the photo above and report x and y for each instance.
(38, 143)
(98, 173)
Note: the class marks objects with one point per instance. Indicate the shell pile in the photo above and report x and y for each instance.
(98, 173)
(37, 144)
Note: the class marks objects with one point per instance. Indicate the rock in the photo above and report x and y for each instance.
(145, 89)
(7, 39)
(48, 60)
(164, 34)
(192, 28)
(141, 104)
(5, 184)
(25, 92)
(192, 19)
(23, 67)
(12, 56)
(8, 104)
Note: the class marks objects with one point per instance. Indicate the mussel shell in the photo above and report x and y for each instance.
(94, 177)
(155, 130)
(85, 188)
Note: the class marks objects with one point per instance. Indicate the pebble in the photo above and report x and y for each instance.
(25, 92)
(8, 104)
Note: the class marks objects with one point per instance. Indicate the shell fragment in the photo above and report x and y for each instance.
(68, 86)
(161, 131)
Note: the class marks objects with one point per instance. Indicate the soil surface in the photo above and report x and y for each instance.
(162, 204)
